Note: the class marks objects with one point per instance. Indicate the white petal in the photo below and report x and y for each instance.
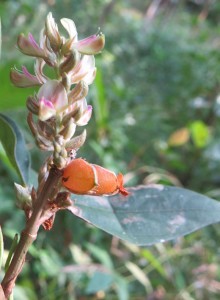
(54, 91)
(70, 27)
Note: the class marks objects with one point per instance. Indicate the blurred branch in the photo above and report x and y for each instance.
(205, 11)
(106, 11)
(152, 10)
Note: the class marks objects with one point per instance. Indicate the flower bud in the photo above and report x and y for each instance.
(70, 62)
(23, 195)
(29, 46)
(57, 147)
(63, 200)
(78, 92)
(59, 161)
(83, 116)
(23, 78)
(67, 47)
(66, 81)
(32, 105)
(77, 141)
(69, 129)
(52, 33)
(63, 153)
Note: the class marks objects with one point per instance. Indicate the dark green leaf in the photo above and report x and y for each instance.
(150, 214)
(14, 146)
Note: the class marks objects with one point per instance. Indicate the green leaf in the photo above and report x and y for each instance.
(1, 247)
(100, 281)
(200, 133)
(100, 104)
(146, 253)
(122, 288)
(150, 214)
(14, 146)
(101, 255)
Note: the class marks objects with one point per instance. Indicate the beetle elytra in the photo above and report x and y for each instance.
(81, 177)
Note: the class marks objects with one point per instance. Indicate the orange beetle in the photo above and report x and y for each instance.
(80, 177)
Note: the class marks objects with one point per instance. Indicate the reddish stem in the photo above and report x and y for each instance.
(29, 234)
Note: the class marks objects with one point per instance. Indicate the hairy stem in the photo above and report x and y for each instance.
(29, 234)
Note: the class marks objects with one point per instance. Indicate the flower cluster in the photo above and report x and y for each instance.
(60, 104)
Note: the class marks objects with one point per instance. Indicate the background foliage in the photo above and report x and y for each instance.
(156, 118)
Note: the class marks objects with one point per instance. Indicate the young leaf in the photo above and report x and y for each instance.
(150, 214)
(14, 146)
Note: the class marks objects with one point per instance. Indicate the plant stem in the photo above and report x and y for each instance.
(29, 234)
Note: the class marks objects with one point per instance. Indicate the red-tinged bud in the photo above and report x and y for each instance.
(29, 46)
(79, 92)
(80, 177)
(32, 105)
(23, 78)
(90, 45)
(70, 62)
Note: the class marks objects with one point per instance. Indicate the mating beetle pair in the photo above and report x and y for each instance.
(81, 177)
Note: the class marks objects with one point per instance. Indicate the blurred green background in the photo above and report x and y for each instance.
(156, 119)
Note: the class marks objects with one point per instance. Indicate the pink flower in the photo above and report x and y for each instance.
(25, 79)
(83, 112)
(90, 45)
(85, 70)
(52, 99)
